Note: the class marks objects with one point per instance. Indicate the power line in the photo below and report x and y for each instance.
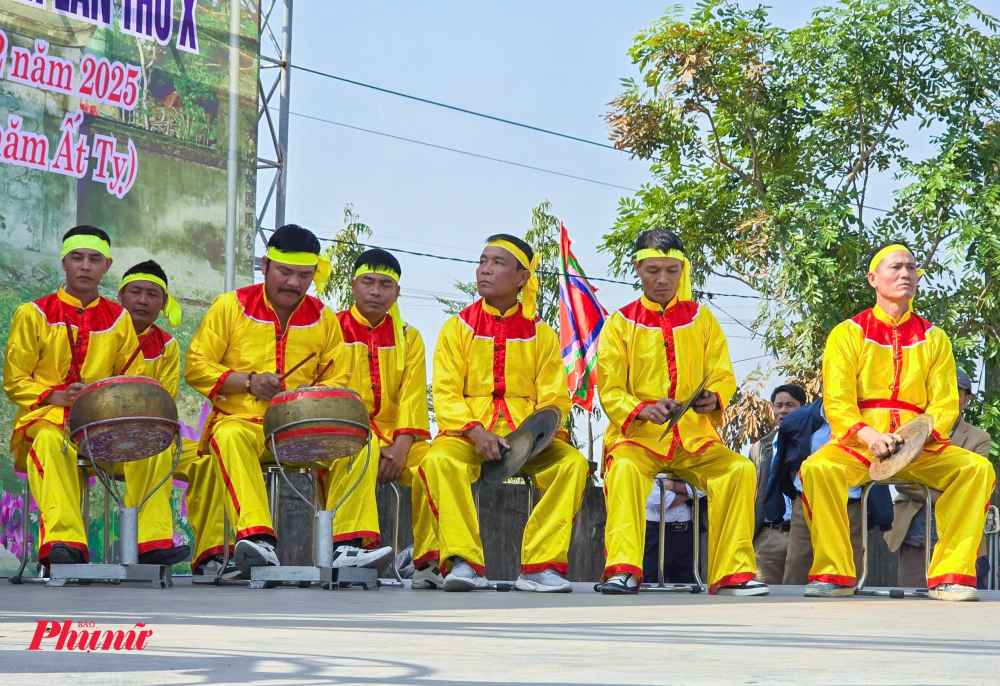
(447, 258)
(455, 109)
(748, 359)
(463, 152)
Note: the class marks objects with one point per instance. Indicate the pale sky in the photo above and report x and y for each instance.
(550, 64)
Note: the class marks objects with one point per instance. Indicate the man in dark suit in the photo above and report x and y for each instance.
(770, 540)
(802, 433)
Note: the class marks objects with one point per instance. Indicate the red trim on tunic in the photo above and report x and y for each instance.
(615, 569)
(414, 432)
(853, 430)
(667, 457)
(833, 579)
(159, 544)
(854, 453)
(635, 413)
(561, 567)
(225, 475)
(889, 404)
(38, 464)
(254, 530)
(218, 384)
(152, 341)
(961, 579)
(731, 580)
(909, 333)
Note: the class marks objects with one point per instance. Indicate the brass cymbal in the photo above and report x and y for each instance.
(535, 434)
(685, 406)
(914, 433)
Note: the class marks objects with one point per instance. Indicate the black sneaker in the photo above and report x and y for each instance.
(208, 569)
(621, 583)
(165, 556)
(62, 554)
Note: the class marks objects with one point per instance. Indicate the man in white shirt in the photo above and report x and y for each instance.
(678, 549)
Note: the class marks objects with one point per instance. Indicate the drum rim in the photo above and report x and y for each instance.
(101, 383)
(322, 392)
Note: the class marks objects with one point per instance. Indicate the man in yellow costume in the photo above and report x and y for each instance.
(143, 293)
(494, 364)
(57, 345)
(881, 369)
(389, 372)
(652, 355)
(247, 350)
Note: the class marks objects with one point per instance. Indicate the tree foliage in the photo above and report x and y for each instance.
(765, 144)
(342, 252)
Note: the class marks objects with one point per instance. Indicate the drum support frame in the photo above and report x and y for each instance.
(129, 569)
(322, 570)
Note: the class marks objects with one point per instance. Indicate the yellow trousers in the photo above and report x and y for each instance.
(237, 447)
(203, 497)
(966, 479)
(56, 484)
(358, 516)
(729, 480)
(447, 472)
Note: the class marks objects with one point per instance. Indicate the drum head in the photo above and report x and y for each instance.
(126, 441)
(316, 424)
(123, 419)
(535, 434)
(915, 433)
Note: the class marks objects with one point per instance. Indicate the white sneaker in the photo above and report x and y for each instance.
(621, 583)
(957, 592)
(250, 554)
(463, 577)
(752, 587)
(352, 556)
(545, 581)
(823, 589)
(428, 577)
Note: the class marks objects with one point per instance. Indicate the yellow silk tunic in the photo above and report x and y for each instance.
(646, 353)
(396, 400)
(489, 365)
(163, 357)
(42, 358)
(881, 373)
(241, 333)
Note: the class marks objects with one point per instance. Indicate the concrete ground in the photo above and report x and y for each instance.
(209, 635)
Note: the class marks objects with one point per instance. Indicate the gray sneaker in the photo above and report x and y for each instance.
(463, 577)
(822, 589)
(248, 554)
(956, 592)
(545, 581)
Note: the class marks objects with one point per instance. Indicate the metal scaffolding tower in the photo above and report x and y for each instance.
(278, 136)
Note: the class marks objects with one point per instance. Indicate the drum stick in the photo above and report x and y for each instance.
(289, 372)
(321, 373)
(130, 361)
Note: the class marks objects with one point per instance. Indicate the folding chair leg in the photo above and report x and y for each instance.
(25, 510)
(395, 530)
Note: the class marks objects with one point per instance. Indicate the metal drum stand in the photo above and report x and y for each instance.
(322, 571)
(129, 568)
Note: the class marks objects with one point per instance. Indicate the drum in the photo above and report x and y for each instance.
(316, 423)
(126, 418)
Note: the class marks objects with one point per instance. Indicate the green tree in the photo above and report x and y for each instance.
(342, 251)
(764, 143)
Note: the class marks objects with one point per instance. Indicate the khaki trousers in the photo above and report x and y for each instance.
(800, 554)
(770, 548)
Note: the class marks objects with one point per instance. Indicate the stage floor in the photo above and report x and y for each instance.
(209, 635)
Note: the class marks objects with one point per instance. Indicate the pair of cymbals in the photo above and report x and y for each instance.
(914, 434)
(535, 434)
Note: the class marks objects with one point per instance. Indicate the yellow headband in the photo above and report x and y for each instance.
(529, 295)
(85, 241)
(684, 291)
(397, 318)
(883, 253)
(304, 259)
(171, 308)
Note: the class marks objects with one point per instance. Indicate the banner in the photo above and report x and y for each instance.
(116, 113)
